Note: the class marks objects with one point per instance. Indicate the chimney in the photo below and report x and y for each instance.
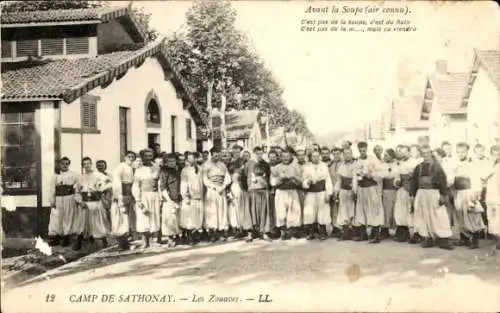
(441, 67)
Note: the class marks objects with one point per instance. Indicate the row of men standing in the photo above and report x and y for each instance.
(253, 197)
(205, 196)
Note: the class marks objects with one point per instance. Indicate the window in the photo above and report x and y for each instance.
(426, 110)
(52, 46)
(429, 94)
(173, 131)
(26, 48)
(189, 134)
(6, 49)
(46, 47)
(123, 130)
(77, 45)
(19, 148)
(153, 113)
(89, 111)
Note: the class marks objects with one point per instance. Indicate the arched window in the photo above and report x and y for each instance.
(152, 107)
(153, 113)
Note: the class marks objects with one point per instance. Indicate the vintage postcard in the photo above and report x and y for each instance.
(250, 156)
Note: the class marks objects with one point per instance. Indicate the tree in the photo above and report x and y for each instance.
(221, 67)
(139, 14)
(143, 18)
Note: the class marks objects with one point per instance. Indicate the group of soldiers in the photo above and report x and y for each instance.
(412, 193)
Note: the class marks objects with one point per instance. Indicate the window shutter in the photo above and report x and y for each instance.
(26, 48)
(85, 114)
(89, 112)
(93, 115)
(52, 46)
(77, 45)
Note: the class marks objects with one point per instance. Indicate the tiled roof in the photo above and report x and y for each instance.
(450, 90)
(490, 60)
(68, 79)
(239, 124)
(70, 15)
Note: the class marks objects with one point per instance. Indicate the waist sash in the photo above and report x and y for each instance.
(367, 182)
(461, 183)
(425, 182)
(217, 179)
(388, 184)
(287, 184)
(91, 196)
(126, 189)
(318, 186)
(64, 190)
(345, 183)
(406, 181)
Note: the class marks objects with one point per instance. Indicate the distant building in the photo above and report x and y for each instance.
(483, 103)
(445, 105)
(407, 123)
(244, 128)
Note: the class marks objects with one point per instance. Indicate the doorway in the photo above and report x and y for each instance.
(152, 140)
(123, 117)
(173, 125)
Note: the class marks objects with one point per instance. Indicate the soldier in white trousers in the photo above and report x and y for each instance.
(318, 185)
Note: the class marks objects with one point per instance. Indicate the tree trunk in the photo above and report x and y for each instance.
(223, 120)
(268, 133)
(210, 87)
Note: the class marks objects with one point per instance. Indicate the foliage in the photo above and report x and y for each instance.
(210, 50)
(24, 6)
(139, 14)
(143, 18)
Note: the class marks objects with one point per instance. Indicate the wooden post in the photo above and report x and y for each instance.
(1, 181)
(81, 136)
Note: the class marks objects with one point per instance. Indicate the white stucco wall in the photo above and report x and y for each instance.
(448, 128)
(483, 110)
(130, 92)
(403, 136)
(46, 121)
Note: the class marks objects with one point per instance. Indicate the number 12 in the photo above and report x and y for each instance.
(50, 298)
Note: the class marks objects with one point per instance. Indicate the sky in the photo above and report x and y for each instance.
(339, 81)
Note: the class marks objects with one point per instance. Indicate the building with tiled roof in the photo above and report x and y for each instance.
(483, 101)
(81, 83)
(243, 127)
(445, 105)
(407, 123)
(69, 33)
(63, 17)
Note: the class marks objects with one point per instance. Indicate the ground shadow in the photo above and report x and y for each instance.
(299, 261)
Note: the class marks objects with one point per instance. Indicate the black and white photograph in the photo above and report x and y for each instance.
(250, 156)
